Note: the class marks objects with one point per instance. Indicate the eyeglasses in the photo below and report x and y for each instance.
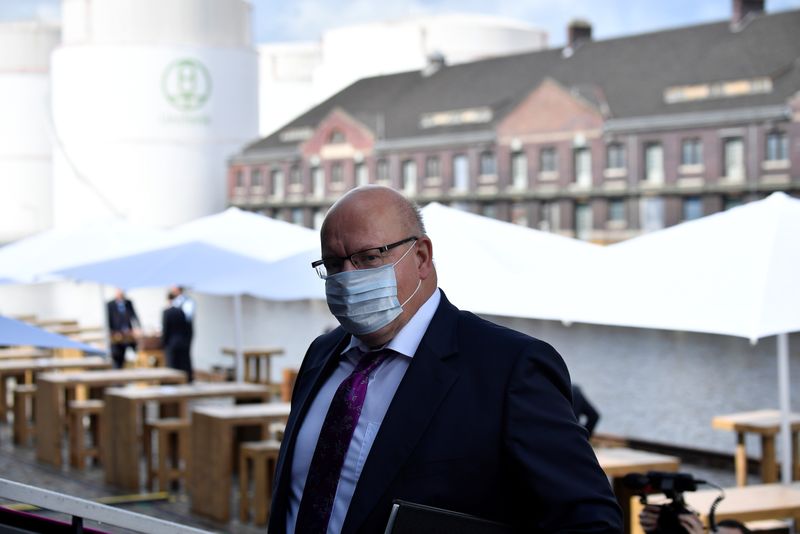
(366, 259)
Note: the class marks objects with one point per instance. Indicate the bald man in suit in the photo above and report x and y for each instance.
(414, 399)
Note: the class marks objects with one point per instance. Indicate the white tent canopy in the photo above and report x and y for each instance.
(732, 273)
(248, 233)
(30, 259)
(493, 267)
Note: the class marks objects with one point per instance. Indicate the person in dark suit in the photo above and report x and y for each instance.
(176, 337)
(123, 326)
(411, 398)
(585, 412)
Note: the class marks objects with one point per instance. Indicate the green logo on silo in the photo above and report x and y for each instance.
(186, 84)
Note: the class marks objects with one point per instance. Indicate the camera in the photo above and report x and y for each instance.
(670, 484)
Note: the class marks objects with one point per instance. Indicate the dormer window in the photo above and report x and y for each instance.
(336, 138)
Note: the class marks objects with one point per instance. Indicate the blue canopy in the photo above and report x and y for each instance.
(14, 332)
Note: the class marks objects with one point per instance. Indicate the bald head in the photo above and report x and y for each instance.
(371, 217)
(381, 199)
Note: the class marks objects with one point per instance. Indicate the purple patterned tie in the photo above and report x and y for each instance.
(334, 440)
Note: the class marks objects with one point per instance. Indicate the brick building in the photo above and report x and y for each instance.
(600, 139)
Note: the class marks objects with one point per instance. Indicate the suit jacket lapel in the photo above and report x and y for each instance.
(428, 379)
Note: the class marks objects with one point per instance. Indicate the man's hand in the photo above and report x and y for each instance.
(691, 523)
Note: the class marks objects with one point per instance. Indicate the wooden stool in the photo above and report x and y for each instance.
(264, 456)
(77, 410)
(173, 447)
(23, 413)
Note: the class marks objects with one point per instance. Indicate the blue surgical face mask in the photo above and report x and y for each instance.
(365, 300)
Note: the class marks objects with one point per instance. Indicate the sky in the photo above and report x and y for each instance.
(305, 20)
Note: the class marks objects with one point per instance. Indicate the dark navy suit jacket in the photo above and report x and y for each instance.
(481, 423)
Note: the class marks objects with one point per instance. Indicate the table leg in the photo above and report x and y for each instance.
(210, 476)
(769, 470)
(623, 494)
(123, 453)
(3, 403)
(740, 460)
(49, 422)
(796, 455)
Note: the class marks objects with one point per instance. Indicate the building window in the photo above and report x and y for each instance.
(337, 173)
(256, 179)
(297, 216)
(336, 138)
(361, 173)
(654, 163)
(547, 159)
(519, 170)
(615, 156)
(583, 167)
(489, 210)
(692, 208)
(731, 202)
(692, 152)
(409, 177)
(519, 214)
(295, 178)
(777, 146)
(583, 221)
(733, 154)
(277, 183)
(239, 179)
(460, 173)
(318, 181)
(382, 171)
(550, 220)
(317, 218)
(432, 169)
(651, 213)
(616, 210)
(488, 164)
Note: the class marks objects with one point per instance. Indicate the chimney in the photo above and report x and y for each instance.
(578, 32)
(435, 62)
(744, 10)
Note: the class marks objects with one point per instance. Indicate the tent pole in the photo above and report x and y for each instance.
(237, 329)
(783, 391)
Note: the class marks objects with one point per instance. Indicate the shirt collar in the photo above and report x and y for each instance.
(409, 337)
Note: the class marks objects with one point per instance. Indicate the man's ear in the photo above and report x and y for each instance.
(424, 257)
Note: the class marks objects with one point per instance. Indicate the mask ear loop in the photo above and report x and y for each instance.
(419, 284)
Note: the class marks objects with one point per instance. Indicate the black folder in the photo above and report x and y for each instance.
(411, 518)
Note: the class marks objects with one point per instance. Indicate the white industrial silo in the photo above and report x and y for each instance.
(150, 98)
(25, 151)
(296, 76)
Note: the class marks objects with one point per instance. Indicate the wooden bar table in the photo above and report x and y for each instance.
(767, 424)
(26, 370)
(617, 462)
(52, 389)
(122, 440)
(254, 360)
(212, 446)
(749, 503)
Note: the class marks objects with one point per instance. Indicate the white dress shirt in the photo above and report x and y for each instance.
(383, 383)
